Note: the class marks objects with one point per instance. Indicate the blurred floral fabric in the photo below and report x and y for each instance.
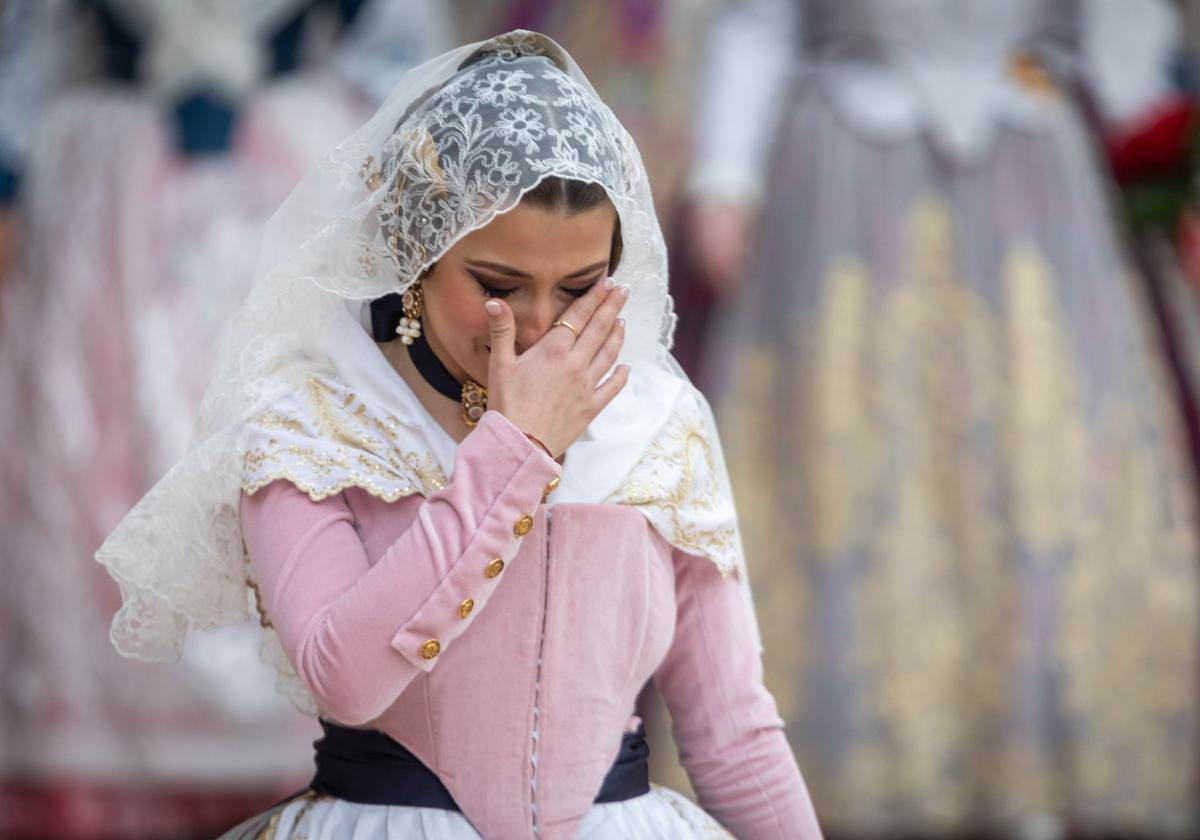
(143, 189)
(958, 458)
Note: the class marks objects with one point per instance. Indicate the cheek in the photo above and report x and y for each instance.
(473, 324)
(459, 318)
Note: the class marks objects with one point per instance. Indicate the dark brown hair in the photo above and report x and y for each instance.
(569, 196)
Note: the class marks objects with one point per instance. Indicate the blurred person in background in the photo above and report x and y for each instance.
(968, 506)
(1154, 152)
(142, 147)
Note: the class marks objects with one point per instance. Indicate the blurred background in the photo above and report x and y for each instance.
(936, 265)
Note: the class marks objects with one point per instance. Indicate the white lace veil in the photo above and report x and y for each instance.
(460, 140)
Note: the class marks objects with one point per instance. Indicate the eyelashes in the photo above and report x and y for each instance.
(578, 293)
(500, 292)
(493, 291)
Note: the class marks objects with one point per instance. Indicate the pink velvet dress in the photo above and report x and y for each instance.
(503, 639)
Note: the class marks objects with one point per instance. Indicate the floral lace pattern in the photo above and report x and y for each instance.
(328, 439)
(676, 486)
(492, 133)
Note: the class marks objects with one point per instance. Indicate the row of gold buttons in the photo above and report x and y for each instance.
(523, 526)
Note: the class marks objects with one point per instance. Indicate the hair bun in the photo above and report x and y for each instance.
(517, 43)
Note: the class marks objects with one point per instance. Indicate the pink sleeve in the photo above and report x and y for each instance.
(729, 733)
(356, 632)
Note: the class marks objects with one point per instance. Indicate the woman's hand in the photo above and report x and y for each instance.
(552, 391)
(720, 239)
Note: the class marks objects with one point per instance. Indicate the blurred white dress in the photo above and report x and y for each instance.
(135, 258)
(967, 506)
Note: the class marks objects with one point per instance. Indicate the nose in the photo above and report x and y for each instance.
(533, 321)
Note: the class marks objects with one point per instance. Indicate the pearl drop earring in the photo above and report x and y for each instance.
(413, 301)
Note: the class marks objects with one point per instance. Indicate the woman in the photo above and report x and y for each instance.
(441, 589)
(966, 488)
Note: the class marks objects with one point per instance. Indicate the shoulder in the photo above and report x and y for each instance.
(323, 438)
(684, 433)
(679, 483)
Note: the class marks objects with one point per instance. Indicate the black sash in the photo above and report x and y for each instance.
(370, 768)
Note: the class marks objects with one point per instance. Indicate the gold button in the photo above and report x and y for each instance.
(524, 525)
(464, 609)
(494, 568)
(431, 649)
(550, 488)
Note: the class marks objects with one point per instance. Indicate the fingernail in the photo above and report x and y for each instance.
(609, 283)
(624, 291)
(627, 368)
(621, 322)
(493, 306)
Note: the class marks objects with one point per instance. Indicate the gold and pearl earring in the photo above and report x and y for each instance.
(413, 301)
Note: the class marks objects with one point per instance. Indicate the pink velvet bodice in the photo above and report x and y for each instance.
(504, 641)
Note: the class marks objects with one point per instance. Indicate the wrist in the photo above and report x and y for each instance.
(538, 443)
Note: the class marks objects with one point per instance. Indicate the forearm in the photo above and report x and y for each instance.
(753, 787)
(753, 45)
(358, 633)
(725, 722)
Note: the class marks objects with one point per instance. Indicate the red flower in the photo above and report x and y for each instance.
(1157, 144)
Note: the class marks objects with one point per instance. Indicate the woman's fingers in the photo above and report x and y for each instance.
(608, 352)
(579, 313)
(553, 390)
(502, 332)
(597, 330)
(609, 388)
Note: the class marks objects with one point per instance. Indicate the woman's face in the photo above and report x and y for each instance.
(537, 260)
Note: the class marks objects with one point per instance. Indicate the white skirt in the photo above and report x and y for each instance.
(661, 813)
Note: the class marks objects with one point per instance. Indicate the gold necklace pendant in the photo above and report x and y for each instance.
(474, 403)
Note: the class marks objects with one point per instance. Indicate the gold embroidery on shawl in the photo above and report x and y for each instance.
(364, 452)
(311, 798)
(676, 478)
(259, 607)
(269, 830)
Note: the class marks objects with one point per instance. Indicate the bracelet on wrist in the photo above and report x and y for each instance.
(544, 447)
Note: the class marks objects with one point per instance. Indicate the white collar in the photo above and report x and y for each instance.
(596, 463)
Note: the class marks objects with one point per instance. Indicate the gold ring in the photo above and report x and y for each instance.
(568, 325)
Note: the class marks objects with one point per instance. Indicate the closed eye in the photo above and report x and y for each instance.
(581, 291)
(489, 289)
(492, 290)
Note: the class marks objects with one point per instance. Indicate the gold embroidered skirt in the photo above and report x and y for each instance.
(968, 512)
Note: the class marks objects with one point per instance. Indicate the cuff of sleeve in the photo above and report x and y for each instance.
(500, 429)
(725, 185)
(466, 588)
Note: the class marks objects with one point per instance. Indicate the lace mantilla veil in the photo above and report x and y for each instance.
(460, 140)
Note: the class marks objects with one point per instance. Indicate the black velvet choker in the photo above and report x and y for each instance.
(386, 313)
(432, 370)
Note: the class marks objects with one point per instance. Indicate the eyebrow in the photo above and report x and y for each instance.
(509, 271)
